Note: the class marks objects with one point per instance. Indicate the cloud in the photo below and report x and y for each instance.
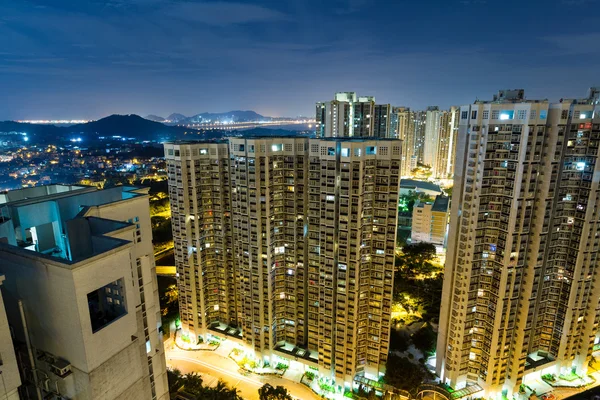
(583, 43)
(223, 13)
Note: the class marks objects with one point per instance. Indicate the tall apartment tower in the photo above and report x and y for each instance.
(520, 294)
(349, 115)
(401, 129)
(9, 371)
(432, 135)
(417, 129)
(306, 229)
(443, 166)
(81, 294)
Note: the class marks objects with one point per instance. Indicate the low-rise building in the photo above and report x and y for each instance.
(81, 292)
(429, 222)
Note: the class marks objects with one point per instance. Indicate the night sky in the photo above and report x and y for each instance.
(90, 58)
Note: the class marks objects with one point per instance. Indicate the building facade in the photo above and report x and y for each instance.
(432, 136)
(430, 221)
(349, 115)
(443, 166)
(81, 292)
(306, 228)
(520, 295)
(9, 370)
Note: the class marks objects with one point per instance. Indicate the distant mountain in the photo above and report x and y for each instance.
(175, 118)
(155, 118)
(114, 125)
(127, 125)
(233, 116)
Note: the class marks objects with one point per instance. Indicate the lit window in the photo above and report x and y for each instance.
(277, 147)
(580, 166)
(216, 307)
(543, 114)
(371, 150)
(330, 197)
(282, 295)
(280, 250)
(507, 115)
(203, 151)
(148, 346)
(345, 152)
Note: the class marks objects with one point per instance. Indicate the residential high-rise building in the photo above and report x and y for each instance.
(351, 116)
(432, 135)
(382, 120)
(402, 129)
(430, 221)
(9, 371)
(286, 245)
(443, 166)
(521, 289)
(81, 293)
(417, 129)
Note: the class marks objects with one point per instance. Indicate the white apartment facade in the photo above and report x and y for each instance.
(520, 295)
(310, 231)
(81, 292)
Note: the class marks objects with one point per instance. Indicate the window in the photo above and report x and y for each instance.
(314, 148)
(564, 114)
(577, 114)
(495, 114)
(331, 151)
(242, 147)
(106, 304)
(345, 152)
(276, 147)
(251, 148)
(357, 152)
(473, 114)
(507, 115)
(543, 114)
(371, 150)
(464, 115)
(176, 153)
(533, 114)
(170, 152)
(521, 114)
(203, 151)
(486, 114)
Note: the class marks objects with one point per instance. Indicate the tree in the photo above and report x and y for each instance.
(268, 392)
(175, 380)
(416, 259)
(403, 374)
(192, 383)
(425, 340)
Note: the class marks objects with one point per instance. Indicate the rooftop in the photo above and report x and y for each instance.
(441, 203)
(413, 183)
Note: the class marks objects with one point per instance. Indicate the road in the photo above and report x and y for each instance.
(213, 367)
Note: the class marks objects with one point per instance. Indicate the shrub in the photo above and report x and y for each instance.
(281, 366)
(309, 375)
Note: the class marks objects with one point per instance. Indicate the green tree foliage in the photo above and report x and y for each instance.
(404, 374)
(398, 340)
(425, 339)
(161, 229)
(416, 259)
(268, 392)
(192, 384)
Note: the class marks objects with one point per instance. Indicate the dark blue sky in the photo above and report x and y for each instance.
(90, 58)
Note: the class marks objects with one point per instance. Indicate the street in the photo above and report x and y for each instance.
(213, 366)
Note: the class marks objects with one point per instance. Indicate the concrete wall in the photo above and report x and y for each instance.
(8, 369)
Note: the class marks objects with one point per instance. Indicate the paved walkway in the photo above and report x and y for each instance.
(213, 366)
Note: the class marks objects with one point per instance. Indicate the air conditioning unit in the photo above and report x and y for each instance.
(61, 368)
